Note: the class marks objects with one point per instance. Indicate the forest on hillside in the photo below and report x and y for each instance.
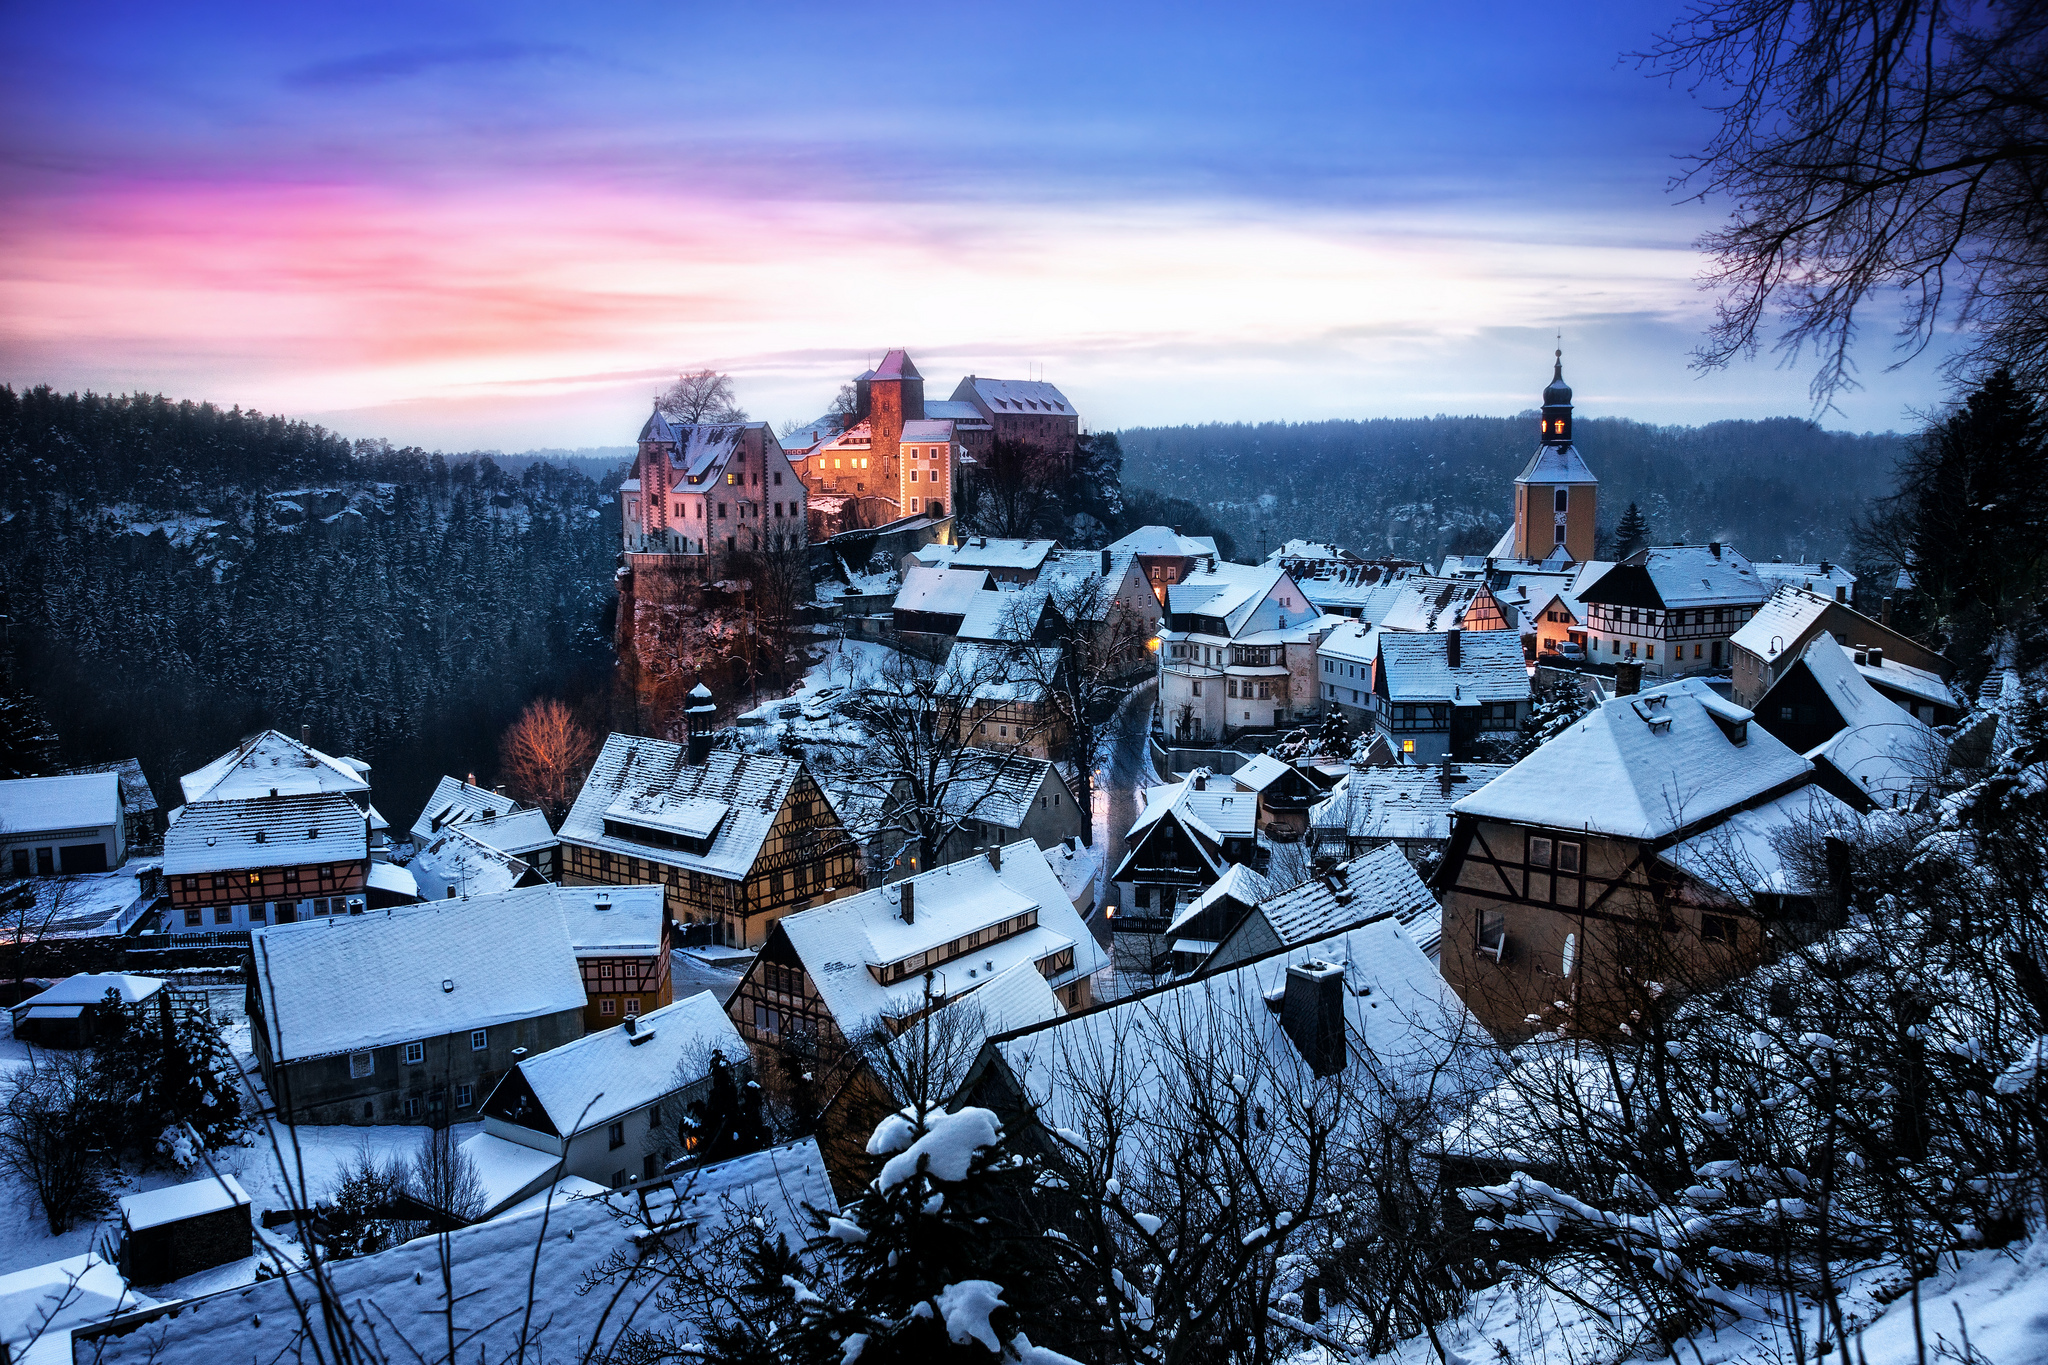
(178, 576)
(1424, 487)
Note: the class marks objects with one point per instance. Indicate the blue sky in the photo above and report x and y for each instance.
(503, 225)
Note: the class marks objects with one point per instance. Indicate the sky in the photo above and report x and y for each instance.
(508, 225)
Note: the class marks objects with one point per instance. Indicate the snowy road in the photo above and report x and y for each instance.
(1127, 767)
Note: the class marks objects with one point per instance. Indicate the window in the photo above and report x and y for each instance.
(607, 1007)
(615, 1135)
(619, 1180)
(412, 1109)
(256, 912)
(1493, 928)
(1539, 851)
(1567, 856)
(647, 1167)
(223, 915)
(1717, 929)
(219, 878)
(327, 874)
(360, 1064)
(477, 1041)
(192, 918)
(291, 874)
(778, 478)
(913, 476)
(1559, 528)
(415, 1053)
(632, 1004)
(679, 507)
(465, 1095)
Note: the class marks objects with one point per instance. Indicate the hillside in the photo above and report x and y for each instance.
(179, 576)
(1422, 487)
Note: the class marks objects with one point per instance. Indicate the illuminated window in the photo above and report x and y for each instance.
(1408, 745)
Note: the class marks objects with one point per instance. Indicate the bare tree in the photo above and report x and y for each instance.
(545, 754)
(445, 1179)
(1010, 490)
(1873, 147)
(700, 396)
(52, 1116)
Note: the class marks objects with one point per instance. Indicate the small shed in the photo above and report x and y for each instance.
(181, 1230)
(67, 1014)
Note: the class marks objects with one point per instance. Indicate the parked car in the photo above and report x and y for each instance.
(1567, 650)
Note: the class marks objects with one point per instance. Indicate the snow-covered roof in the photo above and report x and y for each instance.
(1017, 395)
(1423, 604)
(1077, 866)
(1163, 541)
(90, 988)
(1238, 883)
(396, 880)
(1218, 811)
(1556, 464)
(842, 945)
(493, 817)
(650, 775)
(998, 672)
(1225, 590)
(1008, 614)
(455, 863)
(282, 831)
(1643, 767)
(507, 1169)
(270, 762)
(437, 968)
(947, 409)
(1306, 550)
(1669, 577)
(1381, 882)
(1782, 624)
(1368, 602)
(1354, 642)
(1260, 772)
(41, 1305)
(1397, 1010)
(813, 433)
(994, 552)
(1882, 749)
(1824, 577)
(176, 1203)
(926, 430)
(1745, 853)
(136, 797)
(701, 450)
(1399, 801)
(942, 592)
(32, 804)
(588, 1083)
(994, 787)
(500, 1307)
(1417, 667)
(1918, 683)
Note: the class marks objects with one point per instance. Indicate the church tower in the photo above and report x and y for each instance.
(1556, 495)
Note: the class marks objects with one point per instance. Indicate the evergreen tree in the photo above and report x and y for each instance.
(727, 1121)
(1334, 736)
(28, 742)
(1632, 534)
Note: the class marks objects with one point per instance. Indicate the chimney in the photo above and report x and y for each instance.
(1453, 639)
(1201, 780)
(1884, 613)
(306, 735)
(1715, 546)
(908, 908)
(1628, 679)
(1312, 1013)
(632, 1024)
(1105, 563)
(1877, 656)
(995, 856)
(698, 716)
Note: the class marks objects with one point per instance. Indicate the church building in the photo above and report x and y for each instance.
(1556, 494)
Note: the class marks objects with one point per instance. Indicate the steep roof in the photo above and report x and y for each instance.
(1644, 767)
(279, 831)
(638, 780)
(1823, 578)
(1261, 772)
(1398, 801)
(995, 787)
(1005, 614)
(998, 672)
(1005, 396)
(1746, 852)
(895, 365)
(1381, 882)
(29, 804)
(1417, 667)
(500, 1307)
(841, 944)
(1238, 883)
(1883, 751)
(1669, 577)
(588, 1083)
(1914, 682)
(500, 961)
(1782, 624)
(941, 592)
(136, 797)
(1163, 540)
(1556, 464)
(455, 863)
(1218, 811)
(1423, 604)
(492, 817)
(1356, 642)
(266, 761)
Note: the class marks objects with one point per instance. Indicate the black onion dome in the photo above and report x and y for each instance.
(1559, 393)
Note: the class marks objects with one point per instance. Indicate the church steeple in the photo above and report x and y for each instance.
(1557, 407)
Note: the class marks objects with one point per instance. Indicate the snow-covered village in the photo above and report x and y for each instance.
(1404, 722)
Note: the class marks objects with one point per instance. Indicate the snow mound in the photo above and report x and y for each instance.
(946, 1147)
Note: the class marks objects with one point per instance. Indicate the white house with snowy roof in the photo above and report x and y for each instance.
(238, 864)
(1236, 653)
(52, 825)
(1394, 803)
(606, 1108)
(1612, 856)
(409, 1015)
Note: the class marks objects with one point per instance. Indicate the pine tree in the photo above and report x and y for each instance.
(1334, 736)
(1633, 533)
(28, 743)
(727, 1122)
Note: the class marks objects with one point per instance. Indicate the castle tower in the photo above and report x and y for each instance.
(1556, 495)
(888, 396)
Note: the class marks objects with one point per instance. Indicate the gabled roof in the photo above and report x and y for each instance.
(270, 760)
(1238, 883)
(1417, 667)
(1556, 464)
(1882, 751)
(1261, 772)
(1823, 578)
(941, 592)
(1424, 604)
(492, 817)
(29, 804)
(1163, 541)
(1007, 396)
(841, 944)
(994, 552)
(998, 672)
(90, 988)
(1355, 642)
(1397, 801)
(1381, 882)
(1669, 577)
(282, 831)
(813, 433)
(455, 863)
(353, 982)
(1644, 767)
(1007, 614)
(588, 1083)
(1746, 852)
(136, 797)
(641, 780)
(1218, 811)
(961, 412)
(1783, 624)
(1918, 683)
(994, 787)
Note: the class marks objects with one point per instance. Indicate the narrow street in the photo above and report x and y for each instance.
(1126, 768)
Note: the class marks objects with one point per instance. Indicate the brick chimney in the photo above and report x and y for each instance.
(1877, 656)
(1453, 642)
(995, 856)
(908, 904)
(1884, 613)
(1628, 679)
(1312, 1013)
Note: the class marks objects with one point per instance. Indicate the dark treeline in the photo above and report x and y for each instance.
(1426, 486)
(166, 601)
